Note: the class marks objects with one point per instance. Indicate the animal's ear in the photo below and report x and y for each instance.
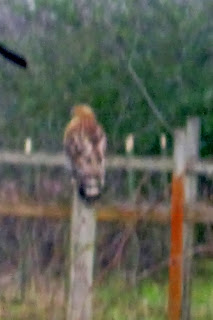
(13, 57)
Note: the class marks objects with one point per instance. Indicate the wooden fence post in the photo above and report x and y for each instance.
(164, 175)
(132, 250)
(129, 146)
(177, 215)
(24, 241)
(82, 236)
(184, 193)
(192, 152)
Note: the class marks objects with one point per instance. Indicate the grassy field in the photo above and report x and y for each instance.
(115, 300)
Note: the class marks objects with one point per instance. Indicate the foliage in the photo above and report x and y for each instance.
(80, 52)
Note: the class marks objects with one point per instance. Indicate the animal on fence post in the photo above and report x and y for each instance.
(85, 146)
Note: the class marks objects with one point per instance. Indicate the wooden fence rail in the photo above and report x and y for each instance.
(198, 212)
(155, 163)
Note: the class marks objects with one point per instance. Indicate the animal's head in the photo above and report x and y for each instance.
(82, 111)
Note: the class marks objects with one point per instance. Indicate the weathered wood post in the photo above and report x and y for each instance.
(129, 148)
(164, 175)
(24, 261)
(192, 152)
(132, 251)
(184, 193)
(177, 216)
(82, 237)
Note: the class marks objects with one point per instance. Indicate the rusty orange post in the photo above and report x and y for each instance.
(176, 255)
(177, 222)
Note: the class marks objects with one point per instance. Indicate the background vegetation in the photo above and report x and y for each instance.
(85, 51)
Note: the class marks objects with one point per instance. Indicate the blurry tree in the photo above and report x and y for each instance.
(83, 51)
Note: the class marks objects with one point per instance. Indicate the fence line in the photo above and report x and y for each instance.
(198, 212)
(59, 160)
(155, 163)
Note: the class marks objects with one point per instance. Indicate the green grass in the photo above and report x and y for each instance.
(115, 300)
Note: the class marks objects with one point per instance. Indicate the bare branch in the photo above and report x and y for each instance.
(142, 88)
(140, 83)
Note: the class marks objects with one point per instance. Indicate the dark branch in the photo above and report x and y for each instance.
(13, 57)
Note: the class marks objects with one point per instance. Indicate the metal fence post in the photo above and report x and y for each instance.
(177, 216)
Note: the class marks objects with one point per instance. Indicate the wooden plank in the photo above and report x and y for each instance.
(154, 163)
(191, 183)
(139, 163)
(35, 159)
(204, 167)
(31, 209)
(82, 236)
(197, 212)
(59, 160)
(177, 216)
